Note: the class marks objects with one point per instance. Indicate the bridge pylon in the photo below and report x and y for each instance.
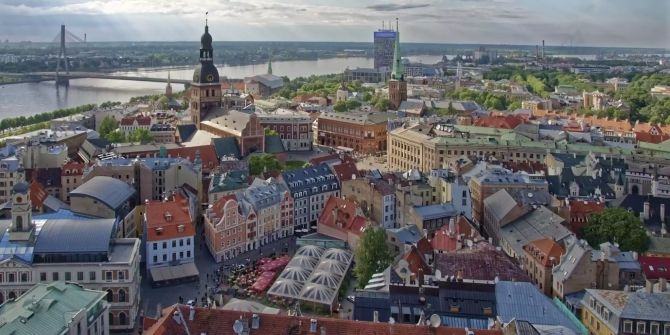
(65, 81)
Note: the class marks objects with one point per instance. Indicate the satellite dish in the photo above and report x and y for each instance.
(435, 321)
(238, 327)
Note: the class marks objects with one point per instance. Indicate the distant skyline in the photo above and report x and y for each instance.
(616, 23)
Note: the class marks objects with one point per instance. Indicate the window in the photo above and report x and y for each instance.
(122, 275)
(110, 298)
(155, 258)
(164, 245)
(91, 275)
(43, 276)
(122, 318)
(181, 242)
(641, 327)
(174, 243)
(11, 277)
(68, 276)
(188, 241)
(666, 328)
(188, 253)
(80, 276)
(155, 246)
(181, 254)
(108, 275)
(24, 277)
(122, 295)
(655, 328)
(164, 257)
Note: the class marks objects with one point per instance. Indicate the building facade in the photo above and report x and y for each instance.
(169, 233)
(249, 219)
(384, 44)
(540, 256)
(99, 261)
(360, 131)
(310, 188)
(294, 128)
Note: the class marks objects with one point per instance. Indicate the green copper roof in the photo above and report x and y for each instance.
(48, 309)
(229, 181)
(398, 69)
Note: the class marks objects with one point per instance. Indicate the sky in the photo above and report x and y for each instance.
(622, 23)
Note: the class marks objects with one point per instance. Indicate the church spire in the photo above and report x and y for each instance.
(398, 70)
(270, 64)
(168, 87)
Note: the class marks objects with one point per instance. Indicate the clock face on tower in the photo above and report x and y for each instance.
(210, 77)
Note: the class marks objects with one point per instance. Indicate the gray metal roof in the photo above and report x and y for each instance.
(311, 180)
(499, 204)
(110, 191)
(522, 301)
(537, 224)
(73, 236)
(575, 251)
(436, 211)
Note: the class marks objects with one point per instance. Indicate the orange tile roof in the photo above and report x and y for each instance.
(238, 85)
(37, 194)
(580, 210)
(544, 250)
(443, 241)
(168, 220)
(346, 170)
(417, 265)
(347, 217)
(424, 246)
(220, 322)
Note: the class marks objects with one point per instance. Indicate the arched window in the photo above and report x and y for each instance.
(11, 295)
(122, 318)
(111, 319)
(19, 223)
(110, 296)
(122, 296)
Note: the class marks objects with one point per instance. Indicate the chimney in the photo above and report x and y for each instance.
(646, 210)
(312, 326)
(662, 285)
(191, 313)
(649, 287)
(375, 316)
(662, 213)
(323, 330)
(452, 229)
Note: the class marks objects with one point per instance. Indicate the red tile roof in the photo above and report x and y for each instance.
(424, 246)
(141, 120)
(530, 167)
(72, 169)
(220, 322)
(443, 241)
(346, 171)
(417, 264)
(481, 262)
(324, 158)
(544, 250)
(217, 207)
(503, 122)
(342, 214)
(236, 84)
(168, 220)
(580, 210)
(655, 267)
(207, 155)
(654, 135)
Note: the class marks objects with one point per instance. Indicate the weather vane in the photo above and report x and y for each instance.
(206, 13)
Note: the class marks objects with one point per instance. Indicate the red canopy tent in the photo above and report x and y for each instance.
(275, 264)
(263, 281)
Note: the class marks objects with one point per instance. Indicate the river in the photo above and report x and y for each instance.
(33, 98)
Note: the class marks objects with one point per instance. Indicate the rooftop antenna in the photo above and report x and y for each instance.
(206, 13)
(396, 25)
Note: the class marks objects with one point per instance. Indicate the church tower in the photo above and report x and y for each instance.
(21, 228)
(397, 84)
(168, 87)
(205, 88)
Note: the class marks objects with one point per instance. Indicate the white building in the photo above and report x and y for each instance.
(169, 233)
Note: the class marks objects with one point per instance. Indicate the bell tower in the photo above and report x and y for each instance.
(22, 226)
(206, 87)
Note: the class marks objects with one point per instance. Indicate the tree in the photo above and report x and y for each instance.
(140, 135)
(450, 109)
(353, 104)
(270, 132)
(617, 225)
(514, 105)
(340, 106)
(372, 255)
(261, 163)
(163, 101)
(116, 136)
(382, 104)
(107, 126)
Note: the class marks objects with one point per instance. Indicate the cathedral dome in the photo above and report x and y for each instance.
(21, 187)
